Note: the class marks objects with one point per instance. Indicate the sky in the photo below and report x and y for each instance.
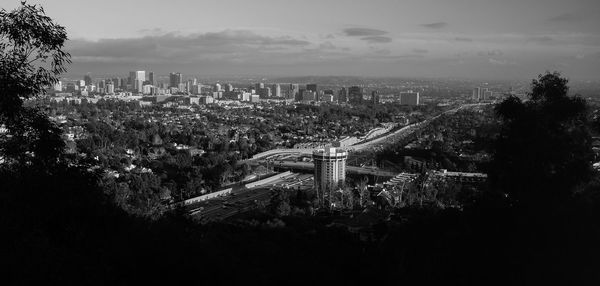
(480, 39)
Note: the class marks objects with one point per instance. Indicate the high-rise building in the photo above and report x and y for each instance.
(137, 75)
(476, 92)
(116, 82)
(137, 78)
(355, 94)
(217, 87)
(110, 88)
(409, 98)
(343, 95)
(375, 97)
(228, 87)
(312, 87)
(138, 86)
(276, 90)
(308, 95)
(197, 89)
(175, 79)
(293, 94)
(88, 79)
(259, 86)
(330, 172)
(151, 78)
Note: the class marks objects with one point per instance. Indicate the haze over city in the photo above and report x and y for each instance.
(461, 38)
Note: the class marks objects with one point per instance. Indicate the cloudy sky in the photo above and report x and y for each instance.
(508, 39)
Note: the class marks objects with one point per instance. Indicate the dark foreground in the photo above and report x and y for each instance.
(56, 231)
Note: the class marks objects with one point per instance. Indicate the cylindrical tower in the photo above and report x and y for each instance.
(330, 172)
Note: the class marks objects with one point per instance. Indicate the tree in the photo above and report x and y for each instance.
(31, 59)
(544, 147)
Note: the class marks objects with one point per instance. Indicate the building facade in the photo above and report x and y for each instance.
(330, 172)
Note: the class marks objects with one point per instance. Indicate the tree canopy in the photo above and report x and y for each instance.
(544, 147)
(31, 59)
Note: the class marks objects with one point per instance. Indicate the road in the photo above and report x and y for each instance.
(225, 207)
(402, 132)
(349, 169)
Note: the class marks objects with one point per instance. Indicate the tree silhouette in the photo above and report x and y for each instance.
(544, 147)
(31, 59)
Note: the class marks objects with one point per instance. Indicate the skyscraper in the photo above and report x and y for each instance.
(375, 97)
(343, 95)
(175, 79)
(137, 75)
(88, 79)
(293, 94)
(330, 172)
(476, 92)
(355, 94)
(276, 90)
(312, 87)
(151, 78)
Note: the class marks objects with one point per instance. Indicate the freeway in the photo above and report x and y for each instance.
(402, 132)
(349, 169)
(225, 207)
(245, 199)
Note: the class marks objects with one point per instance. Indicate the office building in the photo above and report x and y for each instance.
(308, 95)
(137, 75)
(110, 88)
(312, 87)
(175, 79)
(375, 97)
(409, 98)
(87, 79)
(343, 95)
(330, 172)
(276, 90)
(476, 92)
(197, 89)
(294, 90)
(151, 78)
(355, 94)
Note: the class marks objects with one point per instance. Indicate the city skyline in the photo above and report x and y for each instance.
(462, 38)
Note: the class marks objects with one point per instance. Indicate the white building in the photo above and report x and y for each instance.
(330, 171)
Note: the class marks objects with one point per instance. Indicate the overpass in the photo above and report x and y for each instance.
(309, 166)
(404, 131)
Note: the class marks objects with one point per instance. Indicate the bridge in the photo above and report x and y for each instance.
(309, 166)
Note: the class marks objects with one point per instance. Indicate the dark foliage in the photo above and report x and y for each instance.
(544, 148)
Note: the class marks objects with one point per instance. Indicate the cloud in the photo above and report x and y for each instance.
(377, 39)
(420, 51)
(564, 18)
(171, 47)
(498, 62)
(327, 46)
(437, 25)
(541, 39)
(490, 53)
(463, 39)
(362, 32)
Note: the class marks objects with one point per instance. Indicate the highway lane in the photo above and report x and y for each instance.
(404, 131)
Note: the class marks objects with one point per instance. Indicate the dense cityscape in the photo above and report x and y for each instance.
(170, 177)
